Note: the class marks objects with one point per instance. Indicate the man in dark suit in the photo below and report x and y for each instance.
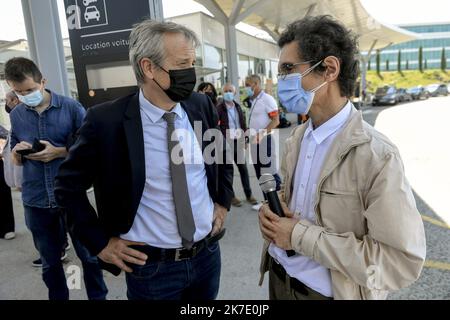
(234, 129)
(158, 218)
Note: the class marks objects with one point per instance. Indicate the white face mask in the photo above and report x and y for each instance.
(292, 95)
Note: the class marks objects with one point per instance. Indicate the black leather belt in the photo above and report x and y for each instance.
(155, 254)
(296, 284)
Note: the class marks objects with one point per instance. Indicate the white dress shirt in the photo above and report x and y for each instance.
(314, 149)
(156, 222)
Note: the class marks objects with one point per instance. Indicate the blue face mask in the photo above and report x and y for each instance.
(33, 99)
(292, 95)
(249, 91)
(228, 96)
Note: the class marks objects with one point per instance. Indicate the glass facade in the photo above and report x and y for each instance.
(434, 38)
(215, 58)
(254, 55)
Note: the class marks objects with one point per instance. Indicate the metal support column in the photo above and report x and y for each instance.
(232, 56)
(156, 10)
(45, 42)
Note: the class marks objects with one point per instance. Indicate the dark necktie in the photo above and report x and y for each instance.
(185, 219)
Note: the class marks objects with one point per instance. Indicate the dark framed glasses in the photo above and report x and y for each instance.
(286, 68)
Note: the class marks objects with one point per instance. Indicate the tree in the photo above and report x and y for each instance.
(399, 61)
(368, 65)
(378, 62)
(407, 64)
(421, 59)
(387, 65)
(426, 64)
(443, 60)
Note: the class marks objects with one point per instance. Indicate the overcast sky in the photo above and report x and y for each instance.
(12, 26)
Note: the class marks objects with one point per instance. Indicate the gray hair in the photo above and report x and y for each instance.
(229, 84)
(254, 78)
(147, 41)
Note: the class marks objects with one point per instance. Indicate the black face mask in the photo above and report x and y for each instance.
(182, 83)
(211, 95)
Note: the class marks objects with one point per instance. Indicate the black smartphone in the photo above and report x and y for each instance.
(37, 147)
(25, 152)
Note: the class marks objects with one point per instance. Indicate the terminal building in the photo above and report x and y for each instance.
(433, 38)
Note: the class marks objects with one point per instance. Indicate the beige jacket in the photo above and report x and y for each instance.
(368, 231)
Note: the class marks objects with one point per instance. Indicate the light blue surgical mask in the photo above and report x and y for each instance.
(291, 93)
(228, 96)
(33, 99)
(249, 91)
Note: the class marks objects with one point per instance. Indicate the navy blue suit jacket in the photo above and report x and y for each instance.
(109, 154)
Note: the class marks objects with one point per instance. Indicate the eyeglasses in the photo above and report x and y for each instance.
(287, 68)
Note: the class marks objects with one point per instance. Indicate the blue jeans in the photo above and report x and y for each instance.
(192, 279)
(46, 227)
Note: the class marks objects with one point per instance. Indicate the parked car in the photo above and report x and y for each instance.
(418, 93)
(438, 90)
(403, 95)
(386, 95)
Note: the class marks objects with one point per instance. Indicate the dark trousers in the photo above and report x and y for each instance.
(46, 227)
(6, 205)
(261, 156)
(196, 278)
(239, 160)
(279, 289)
(63, 231)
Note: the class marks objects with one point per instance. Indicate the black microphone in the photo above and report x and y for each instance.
(269, 188)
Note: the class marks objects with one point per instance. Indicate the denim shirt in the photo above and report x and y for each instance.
(56, 125)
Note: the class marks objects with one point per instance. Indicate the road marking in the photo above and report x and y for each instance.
(437, 265)
(435, 222)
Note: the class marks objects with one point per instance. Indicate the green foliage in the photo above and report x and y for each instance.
(411, 78)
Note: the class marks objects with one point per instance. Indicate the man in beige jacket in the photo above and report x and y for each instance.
(350, 213)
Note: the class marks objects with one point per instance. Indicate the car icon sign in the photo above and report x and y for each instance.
(91, 13)
(88, 2)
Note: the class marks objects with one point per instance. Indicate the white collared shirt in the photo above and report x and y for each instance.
(263, 105)
(314, 148)
(156, 222)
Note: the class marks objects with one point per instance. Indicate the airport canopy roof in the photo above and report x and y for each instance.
(272, 16)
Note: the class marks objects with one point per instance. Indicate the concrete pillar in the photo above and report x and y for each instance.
(232, 56)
